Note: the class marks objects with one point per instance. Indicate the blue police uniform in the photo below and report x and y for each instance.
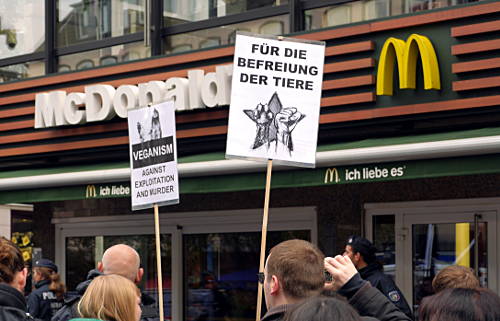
(374, 274)
(43, 303)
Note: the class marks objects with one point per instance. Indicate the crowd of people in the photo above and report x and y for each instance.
(299, 282)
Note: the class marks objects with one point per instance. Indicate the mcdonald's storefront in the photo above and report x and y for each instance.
(408, 156)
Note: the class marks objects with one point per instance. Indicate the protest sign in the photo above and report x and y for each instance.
(153, 156)
(275, 99)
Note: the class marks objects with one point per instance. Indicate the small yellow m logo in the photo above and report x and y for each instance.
(330, 174)
(90, 191)
(406, 54)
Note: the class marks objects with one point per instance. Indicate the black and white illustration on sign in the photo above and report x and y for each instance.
(275, 99)
(275, 124)
(153, 157)
(152, 128)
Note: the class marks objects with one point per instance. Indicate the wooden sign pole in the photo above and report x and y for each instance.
(158, 261)
(264, 234)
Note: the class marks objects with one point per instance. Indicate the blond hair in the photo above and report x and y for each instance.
(110, 297)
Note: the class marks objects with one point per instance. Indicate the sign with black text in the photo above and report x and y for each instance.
(275, 99)
(153, 156)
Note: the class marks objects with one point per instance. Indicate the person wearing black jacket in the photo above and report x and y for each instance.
(368, 301)
(119, 259)
(12, 281)
(362, 254)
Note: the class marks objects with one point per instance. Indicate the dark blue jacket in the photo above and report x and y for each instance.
(42, 302)
(374, 274)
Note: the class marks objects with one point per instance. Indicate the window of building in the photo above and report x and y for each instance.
(81, 21)
(186, 11)
(21, 71)
(224, 35)
(22, 25)
(104, 56)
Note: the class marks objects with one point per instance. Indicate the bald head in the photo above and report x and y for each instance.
(123, 260)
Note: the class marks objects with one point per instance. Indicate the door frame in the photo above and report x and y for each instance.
(178, 224)
(442, 211)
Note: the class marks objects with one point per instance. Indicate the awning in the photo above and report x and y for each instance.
(371, 160)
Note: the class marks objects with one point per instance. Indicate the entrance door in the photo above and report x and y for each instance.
(433, 241)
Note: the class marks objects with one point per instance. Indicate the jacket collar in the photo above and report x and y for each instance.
(11, 297)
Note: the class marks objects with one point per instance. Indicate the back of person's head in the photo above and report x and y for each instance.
(11, 262)
(461, 305)
(110, 297)
(320, 308)
(48, 271)
(364, 247)
(123, 260)
(455, 276)
(299, 266)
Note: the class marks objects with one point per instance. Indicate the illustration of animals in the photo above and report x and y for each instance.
(155, 125)
(274, 124)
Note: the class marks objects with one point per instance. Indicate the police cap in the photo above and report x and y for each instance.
(46, 263)
(364, 247)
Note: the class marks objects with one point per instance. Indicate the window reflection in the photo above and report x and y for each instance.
(183, 11)
(22, 27)
(357, 11)
(221, 273)
(85, 20)
(103, 57)
(224, 35)
(21, 71)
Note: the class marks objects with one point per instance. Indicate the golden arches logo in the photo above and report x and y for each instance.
(330, 174)
(405, 53)
(90, 191)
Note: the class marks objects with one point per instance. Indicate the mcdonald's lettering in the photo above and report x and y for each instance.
(330, 174)
(405, 53)
(90, 191)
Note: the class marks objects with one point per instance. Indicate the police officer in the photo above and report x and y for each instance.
(362, 254)
(48, 295)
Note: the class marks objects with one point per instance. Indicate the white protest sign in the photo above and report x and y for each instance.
(153, 156)
(275, 99)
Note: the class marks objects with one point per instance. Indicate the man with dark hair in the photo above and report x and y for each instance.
(294, 271)
(362, 254)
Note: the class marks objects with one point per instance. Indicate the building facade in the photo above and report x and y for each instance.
(408, 154)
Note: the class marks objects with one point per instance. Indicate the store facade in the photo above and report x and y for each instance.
(415, 169)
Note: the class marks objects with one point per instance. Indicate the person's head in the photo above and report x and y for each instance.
(360, 251)
(45, 269)
(111, 297)
(321, 308)
(294, 271)
(455, 276)
(123, 260)
(461, 305)
(12, 270)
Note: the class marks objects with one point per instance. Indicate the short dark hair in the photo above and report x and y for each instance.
(299, 266)
(455, 276)
(461, 305)
(11, 261)
(320, 308)
(364, 247)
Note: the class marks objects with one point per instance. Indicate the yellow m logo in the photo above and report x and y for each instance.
(90, 191)
(406, 54)
(330, 174)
